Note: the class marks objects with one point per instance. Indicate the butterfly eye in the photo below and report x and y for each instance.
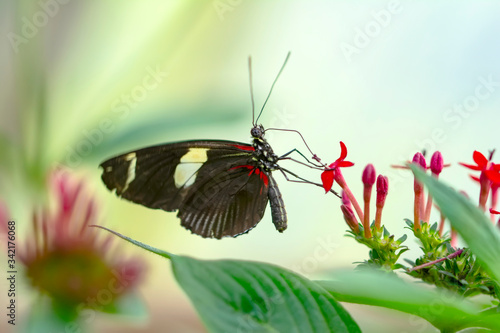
(256, 132)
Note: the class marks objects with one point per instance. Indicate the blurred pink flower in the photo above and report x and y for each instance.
(67, 260)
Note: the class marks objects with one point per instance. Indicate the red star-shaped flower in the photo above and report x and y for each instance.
(480, 159)
(491, 170)
(328, 176)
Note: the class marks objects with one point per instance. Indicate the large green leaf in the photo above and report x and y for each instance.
(482, 237)
(445, 310)
(243, 296)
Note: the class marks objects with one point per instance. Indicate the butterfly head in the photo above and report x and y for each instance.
(257, 132)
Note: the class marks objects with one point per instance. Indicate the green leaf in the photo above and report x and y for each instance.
(445, 310)
(471, 223)
(447, 274)
(137, 243)
(402, 239)
(243, 296)
(411, 262)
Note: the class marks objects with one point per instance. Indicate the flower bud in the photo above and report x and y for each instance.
(345, 199)
(437, 163)
(418, 159)
(369, 175)
(349, 218)
(382, 189)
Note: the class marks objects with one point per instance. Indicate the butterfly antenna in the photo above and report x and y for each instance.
(251, 89)
(271, 90)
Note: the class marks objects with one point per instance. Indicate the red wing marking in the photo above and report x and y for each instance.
(254, 169)
(247, 148)
(264, 177)
(249, 167)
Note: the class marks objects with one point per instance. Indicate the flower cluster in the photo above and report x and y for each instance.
(333, 173)
(385, 250)
(442, 263)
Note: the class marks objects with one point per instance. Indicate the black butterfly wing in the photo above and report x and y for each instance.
(225, 202)
(216, 185)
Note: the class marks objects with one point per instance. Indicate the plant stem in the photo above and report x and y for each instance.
(451, 256)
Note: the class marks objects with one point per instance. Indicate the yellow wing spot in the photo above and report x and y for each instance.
(130, 156)
(195, 155)
(131, 170)
(186, 171)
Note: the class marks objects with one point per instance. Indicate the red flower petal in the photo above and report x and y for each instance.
(492, 211)
(475, 178)
(470, 166)
(327, 179)
(343, 151)
(344, 164)
(479, 158)
(493, 175)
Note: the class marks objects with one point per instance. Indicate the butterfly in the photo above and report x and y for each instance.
(219, 188)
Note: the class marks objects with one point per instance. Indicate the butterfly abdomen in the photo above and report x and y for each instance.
(277, 204)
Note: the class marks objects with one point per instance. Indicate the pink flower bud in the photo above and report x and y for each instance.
(349, 218)
(437, 163)
(369, 175)
(419, 159)
(382, 189)
(345, 199)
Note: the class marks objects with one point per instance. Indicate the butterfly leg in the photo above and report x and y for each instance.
(302, 180)
(295, 150)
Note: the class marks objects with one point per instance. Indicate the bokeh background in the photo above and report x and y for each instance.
(83, 81)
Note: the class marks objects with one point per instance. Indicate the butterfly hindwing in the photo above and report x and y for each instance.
(225, 201)
(216, 185)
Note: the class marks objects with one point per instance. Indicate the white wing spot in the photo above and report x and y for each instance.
(131, 170)
(195, 155)
(130, 156)
(189, 164)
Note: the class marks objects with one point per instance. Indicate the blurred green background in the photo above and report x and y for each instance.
(83, 81)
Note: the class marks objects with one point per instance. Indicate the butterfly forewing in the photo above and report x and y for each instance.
(216, 186)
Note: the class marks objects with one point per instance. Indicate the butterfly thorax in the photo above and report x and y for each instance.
(263, 153)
